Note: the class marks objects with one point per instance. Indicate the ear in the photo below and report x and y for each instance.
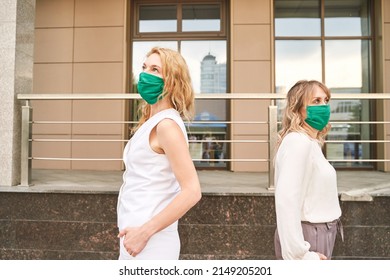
(303, 113)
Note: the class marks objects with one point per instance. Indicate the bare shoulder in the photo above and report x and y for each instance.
(167, 125)
(168, 128)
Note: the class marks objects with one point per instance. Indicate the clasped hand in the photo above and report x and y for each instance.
(134, 240)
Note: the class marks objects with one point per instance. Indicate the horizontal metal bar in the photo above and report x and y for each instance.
(120, 140)
(201, 141)
(198, 122)
(227, 122)
(227, 141)
(77, 159)
(83, 122)
(360, 122)
(134, 122)
(120, 159)
(359, 160)
(228, 96)
(357, 141)
(204, 160)
(233, 160)
(78, 96)
(78, 140)
(136, 96)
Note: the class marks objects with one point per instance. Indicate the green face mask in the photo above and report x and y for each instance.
(318, 116)
(150, 87)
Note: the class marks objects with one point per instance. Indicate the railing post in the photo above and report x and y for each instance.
(25, 168)
(272, 138)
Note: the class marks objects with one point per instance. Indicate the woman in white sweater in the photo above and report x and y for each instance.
(160, 183)
(306, 197)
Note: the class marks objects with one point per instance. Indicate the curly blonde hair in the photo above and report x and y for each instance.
(298, 97)
(177, 85)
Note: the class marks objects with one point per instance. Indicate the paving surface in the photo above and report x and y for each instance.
(352, 185)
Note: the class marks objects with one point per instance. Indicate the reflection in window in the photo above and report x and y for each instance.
(201, 18)
(343, 63)
(206, 59)
(348, 71)
(157, 18)
(347, 64)
(296, 60)
(183, 25)
(347, 18)
(207, 63)
(297, 18)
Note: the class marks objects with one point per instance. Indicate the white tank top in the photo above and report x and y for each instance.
(149, 184)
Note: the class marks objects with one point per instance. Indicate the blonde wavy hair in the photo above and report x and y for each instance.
(298, 97)
(177, 85)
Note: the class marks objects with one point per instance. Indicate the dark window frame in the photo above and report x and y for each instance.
(179, 34)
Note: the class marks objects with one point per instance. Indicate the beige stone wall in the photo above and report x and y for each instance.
(79, 48)
(251, 72)
(386, 75)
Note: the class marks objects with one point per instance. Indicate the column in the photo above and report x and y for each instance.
(16, 71)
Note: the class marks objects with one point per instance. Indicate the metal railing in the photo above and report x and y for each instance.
(272, 123)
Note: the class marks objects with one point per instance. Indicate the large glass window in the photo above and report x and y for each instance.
(347, 18)
(297, 59)
(339, 54)
(157, 18)
(201, 17)
(197, 31)
(297, 18)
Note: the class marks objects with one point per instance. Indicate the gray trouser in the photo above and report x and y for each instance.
(321, 236)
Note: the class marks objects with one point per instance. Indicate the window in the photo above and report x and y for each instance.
(330, 41)
(201, 17)
(197, 29)
(157, 18)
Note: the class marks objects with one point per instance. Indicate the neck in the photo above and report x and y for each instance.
(312, 132)
(159, 106)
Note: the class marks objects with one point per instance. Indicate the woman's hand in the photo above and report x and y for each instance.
(134, 239)
(322, 257)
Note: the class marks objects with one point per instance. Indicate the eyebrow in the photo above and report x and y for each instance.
(316, 97)
(153, 65)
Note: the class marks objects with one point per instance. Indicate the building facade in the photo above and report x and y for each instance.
(231, 46)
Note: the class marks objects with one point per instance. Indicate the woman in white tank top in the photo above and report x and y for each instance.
(160, 183)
